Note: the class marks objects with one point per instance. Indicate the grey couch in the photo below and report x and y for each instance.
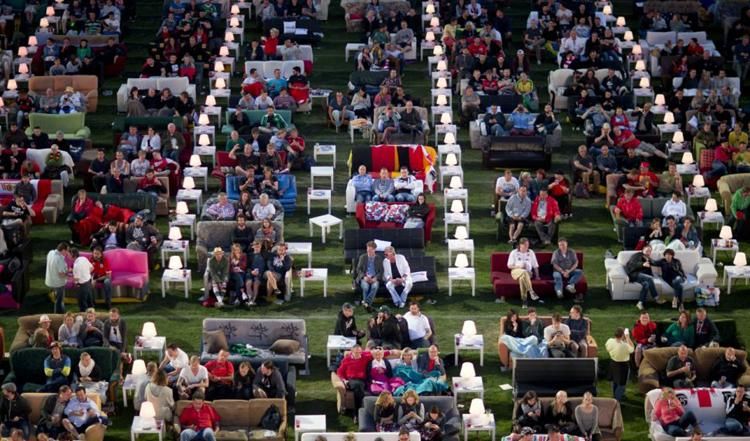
(212, 234)
(451, 423)
(212, 200)
(261, 334)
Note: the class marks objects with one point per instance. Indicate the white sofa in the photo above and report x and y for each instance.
(479, 137)
(321, 6)
(351, 204)
(176, 85)
(410, 55)
(711, 418)
(620, 288)
(360, 436)
(266, 68)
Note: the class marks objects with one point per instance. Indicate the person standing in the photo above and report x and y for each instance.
(56, 275)
(619, 348)
(82, 269)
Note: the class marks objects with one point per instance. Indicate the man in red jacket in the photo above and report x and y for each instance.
(353, 372)
(628, 210)
(644, 335)
(200, 421)
(545, 213)
(102, 274)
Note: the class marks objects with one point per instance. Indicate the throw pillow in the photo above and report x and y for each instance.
(232, 435)
(285, 346)
(375, 211)
(214, 341)
(381, 245)
(397, 213)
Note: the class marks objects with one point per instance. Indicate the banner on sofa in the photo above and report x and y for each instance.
(8, 186)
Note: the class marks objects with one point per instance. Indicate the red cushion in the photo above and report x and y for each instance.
(383, 156)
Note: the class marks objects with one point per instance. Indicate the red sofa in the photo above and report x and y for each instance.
(364, 223)
(504, 285)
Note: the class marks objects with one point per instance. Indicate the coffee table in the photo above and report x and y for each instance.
(325, 222)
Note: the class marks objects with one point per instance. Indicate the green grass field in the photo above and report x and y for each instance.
(590, 231)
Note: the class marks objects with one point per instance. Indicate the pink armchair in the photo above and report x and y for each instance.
(129, 273)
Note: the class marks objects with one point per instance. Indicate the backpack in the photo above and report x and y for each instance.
(271, 419)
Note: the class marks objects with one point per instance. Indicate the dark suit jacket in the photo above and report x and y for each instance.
(122, 329)
(362, 267)
(423, 363)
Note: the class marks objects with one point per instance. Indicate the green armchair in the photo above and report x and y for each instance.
(73, 125)
(254, 117)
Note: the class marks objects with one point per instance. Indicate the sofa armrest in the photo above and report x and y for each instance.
(95, 432)
(726, 195)
(706, 274)
(744, 379)
(503, 354)
(340, 389)
(54, 201)
(83, 133)
(122, 98)
(50, 215)
(191, 91)
(593, 348)
(617, 279)
(648, 377)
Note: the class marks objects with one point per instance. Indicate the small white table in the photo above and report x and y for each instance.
(183, 276)
(456, 219)
(687, 169)
(197, 172)
(318, 195)
(467, 386)
(474, 343)
(732, 272)
(325, 150)
(459, 274)
(322, 95)
(322, 172)
(436, 111)
(701, 193)
(206, 150)
(448, 171)
(451, 194)
(313, 275)
(460, 246)
(426, 46)
(300, 248)
(184, 220)
(706, 218)
(338, 343)
(325, 222)
(308, 423)
(175, 247)
(442, 129)
(143, 426)
(153, 344)
(352, 47)
(445, 149)
(469, 426)
(128, 386)
(721, 245)
(191, 195)
(214, 111)
(365, 129)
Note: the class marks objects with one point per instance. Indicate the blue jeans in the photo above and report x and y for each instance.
(22, 425)
(718, 169)
(498, 130)
(388, 198)
(677, 287)
(405, 197)
(528, 347)
(734, 427)
(418, 343)
(202, 435)
(677, 428)
(574, 277)
(85, 296)
(60, 300)
(237, 281)
(647, 286)
(363, 196)
(369, 290)
(107, 289)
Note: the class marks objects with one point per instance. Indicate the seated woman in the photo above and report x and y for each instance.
(160, 395)
(418, 376)
(256, 268)
(432, 426)
(380, 376)
(385, 413)
(668, 412)
(243, 381)
(192, 378)
(681, 332)
(91, 331)
(524, 338)
(266, 235)
(88, 375)
(237, 271)
(410, 411)
(560, 413)
(417, 214)
(268, 184)
(587, 418)
(531, 412)
(245, 205)
(264, 209)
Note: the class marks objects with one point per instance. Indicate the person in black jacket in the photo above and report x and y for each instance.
(14, 412)
(738, 413)
(674, 276)
(417, 213)
(346, 324)
(706, 332)
(384, 330)
(645, 123)
(638, 269)
(268, 382)
(727, 369)
(52, 414)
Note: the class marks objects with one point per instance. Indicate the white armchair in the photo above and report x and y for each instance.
(351, 204)
(700, 271)
(176, 85)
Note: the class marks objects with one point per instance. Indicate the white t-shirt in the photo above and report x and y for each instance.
(418, 325)
(82, 270)
(507, 186)
(180, 361)
(187, 375)
(550, 331)
(527, 259)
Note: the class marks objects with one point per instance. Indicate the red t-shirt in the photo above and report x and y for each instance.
(269, 47)
(204, 418)
(724, 153)
(625, 134)
(101, 267)
(630, 210)
(220, 369)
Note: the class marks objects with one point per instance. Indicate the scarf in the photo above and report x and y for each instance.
(86, 371)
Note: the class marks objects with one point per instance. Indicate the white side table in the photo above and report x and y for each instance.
(300, 248)
(197, 172)
(445, 149)
(142, 426)
(308, 423)
(322, 172)
(437, 111)
(456, 219)
(325, 222)
(721, 245)
(460, 246)
(183, 276)
(470, 426)
(338, 343)
(474, 343)
(313, 275)
(448, 171)
(128, 386)
(732, 272)
(459, 274)
(442, 129)
(152, 344)
(191, 196)
(706, 218)
(467, 386)
(175, 247)
(325, 150)
(687, 169)
(184, 220)
(318, 195)
(365, 129)
(206, 150)
(701, 194)
(352, 47)
(451, 194)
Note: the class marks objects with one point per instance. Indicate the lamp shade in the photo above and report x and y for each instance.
(467, 370)
(139, 367)
(434, 22)
(449, 138)
(644, 83)
(462, 261)
(441, 100)
(195, 161)
(50, 11)
(147, 410)
(437, 50)
(228, 37)
(204, 140)
(23, 68)
(220, 83)
(12, 85)
(698, 181)
(607, 10)
(637, 50)
(457, 206)
(628, 36)
(234, 22)
(445, 118)
(188, 183)
(442, 66)
(711, 206)
(455, 182)
(687, 158)
(477, 407)
(660, 100)
(469, 329)
(218, 66)
(210, 101)
(669, 118)
(461, 233)
(620, 21)
(234, 10)
(149, 328)
(451, 159)
(32, 41)
(182, 208)
(430, 8)
(175, 263)
(740, 259)
(726, 232)
(23, 52)
(43, 22)
(640, 65)
(442, 83)
(223, 51)
(429, 36)
(678, 137)
(203, 119)
(175, 233)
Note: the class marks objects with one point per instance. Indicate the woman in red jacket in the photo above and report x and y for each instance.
(353, 372)
(81, 209)
(559, 189)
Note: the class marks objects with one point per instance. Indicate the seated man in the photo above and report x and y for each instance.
(264, 209)
(247, 161)
(53, 412)
(388, 123)
(14, 412)
(674, 276)
(738, 413)
(362, 183)
(565, 267)
(222, 209)
(726, 370)
(368, 274)
(625, 139)
(639, 271)
(506, 185)
(545, 213)
(57, 369)
(644, 335)
(628, 210)
(517, 212)
(522, 123)
(494, 121)
(81, 413)
(199, 420)
(681, 369)
(268, 382)
(404, 186)
(397, 276)
(151, 184)
(277, 266)
(271, 122)
(383, 187)
(175, 360)
(220, 377)
(141, 236)
(140, 165)
(420, 331)
(557, 336)
(670, 181)
(411, 122)
(675, 206)
(706, 332)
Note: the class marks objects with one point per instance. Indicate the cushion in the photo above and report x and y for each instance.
(231, 435)
(215, 341)
(396, 213)
(285, 346)
(375, 211)
(381, 245)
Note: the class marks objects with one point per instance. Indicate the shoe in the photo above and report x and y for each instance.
(251, 303)
(540, 301)
(525, 305)
(579, 298)
(355, 420)
(660, 300)
(533, 296)
(571, 289)
(431, 301)
(236, 302)
(276, 292)
(219, 304)
(559, 294)
(674, 303)
(500, 300)
(279, 302)
(639, 305)
(681, 308)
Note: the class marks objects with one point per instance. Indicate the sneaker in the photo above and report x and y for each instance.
(279, 302)
(236, 302)
(252, 303)
(500, 300)
(219, 304)
(525, 305)
(639, 305)
(674, 303)
(661, 300)
(571, 289)
(431, 301)
(533, 296)
(276, 292)
(559, 293)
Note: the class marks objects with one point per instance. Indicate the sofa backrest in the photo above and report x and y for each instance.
(545, 319)
(132, 201)
(39, 157)
(361, 436)
(123, 260)
(107, 359)
(652, 207)
(499, 262)
(51, 123)
(131, 184)
(689, 258)
(657, 358)
(28, 323)
(279, 216)
(287, 182)
(254, 116)
(159, 123)
(423, 114)
(607, 407)
(87, 85)
(444, 403)
(735, 181)
(548, 375)
(36, 402)
(392, 157)
(706, 357)
(259, 332)
(211, 234)
(242, 413)
(357, 239)
(660, 38)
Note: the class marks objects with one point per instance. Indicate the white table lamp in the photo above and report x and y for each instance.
(220, 83)
(476, 411)
(147, 414)
(628, 36)
(434, 22)
(740, 260)
(442, 83)
(726, 232)
(210, 101)
(234, 22)
(228, 37)
(669, 118)
(437, 50)
(637, 50)
(620, 22)
(430, 8)
(462, 261)
(461, 233)
(678, 137)
(711, 206)
(175, 263)
(139, 367)
(235, 10)
(43, 23)
(23, 52)
(218, 66)
(607, 10)
(640, 65)
(469, 329)
(687, 158)
(644, 83)
(175, 233)
(182, 208)
(188, 183)
(455, 182)
(223, 51)
(445, 118)
(442, 66)
(33, 41)
(149, 328)
(50, 12)
(457, 206)
(429, 36)
(467, 370)
(204, 140)
(23, 68)
(698, 181)
(12, 85)
(451, 159)
(660, 100)
(203, 120)
(449, 138)
(195, 161)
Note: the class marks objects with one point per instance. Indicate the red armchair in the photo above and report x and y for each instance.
(504, 285)
(364, 223)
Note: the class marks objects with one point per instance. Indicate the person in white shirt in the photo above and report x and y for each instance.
(264, 209)
(573, 44)
(404, 186)
(420, 331)
(82, 269)
(506, 185)
(193, 378)
(522, 264)
(557, 335)
(81, 413)
(151, 141)
(175, 360)
(675, 207)
(397, 276)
